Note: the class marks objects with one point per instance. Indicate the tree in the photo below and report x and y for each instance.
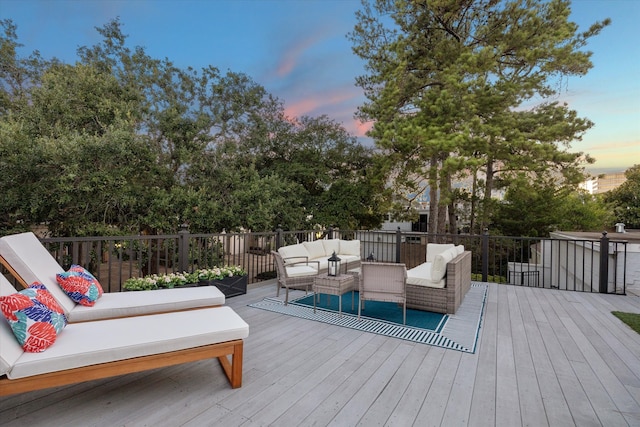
(534, 209)
(123, 141)
(625, 200)
(450, 84)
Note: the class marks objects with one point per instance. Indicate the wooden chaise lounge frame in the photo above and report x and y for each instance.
(232, 369)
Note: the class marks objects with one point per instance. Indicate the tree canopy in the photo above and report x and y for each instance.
(123, 142)
(625, 200)
(469, 89)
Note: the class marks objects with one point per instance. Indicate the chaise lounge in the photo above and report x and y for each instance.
(29, 261)
(106, 348)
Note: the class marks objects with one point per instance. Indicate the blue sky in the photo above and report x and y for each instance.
(298, 50)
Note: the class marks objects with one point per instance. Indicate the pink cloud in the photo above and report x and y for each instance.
(292, 56)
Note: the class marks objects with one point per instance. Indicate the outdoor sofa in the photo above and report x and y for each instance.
(106, 348)
(29, 261)
(442, 281)
(317, 253)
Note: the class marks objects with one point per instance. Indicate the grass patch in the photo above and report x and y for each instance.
(631, 319)
(490, 278)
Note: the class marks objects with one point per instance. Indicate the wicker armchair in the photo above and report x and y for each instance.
(383, 281)
(296, 274)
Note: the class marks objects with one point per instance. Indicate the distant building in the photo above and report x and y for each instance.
(603, 183)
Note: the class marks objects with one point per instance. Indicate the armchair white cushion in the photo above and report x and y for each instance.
(434, 249)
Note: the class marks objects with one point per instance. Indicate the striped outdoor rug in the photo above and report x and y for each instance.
(459, 332)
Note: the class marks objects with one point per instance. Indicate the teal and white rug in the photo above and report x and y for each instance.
(458, 332)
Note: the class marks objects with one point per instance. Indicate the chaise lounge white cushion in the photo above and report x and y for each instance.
(31, 260)
(92, 343)
(103, 341)
(10, 350)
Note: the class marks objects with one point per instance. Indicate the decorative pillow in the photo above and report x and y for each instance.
(80, 285)
(350, 247)
(35, 317)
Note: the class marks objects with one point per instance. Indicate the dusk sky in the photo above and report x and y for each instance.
(298, 50)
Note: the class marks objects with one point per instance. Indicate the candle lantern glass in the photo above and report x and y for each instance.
(334, 265)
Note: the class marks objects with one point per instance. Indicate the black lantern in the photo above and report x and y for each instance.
(334, 265)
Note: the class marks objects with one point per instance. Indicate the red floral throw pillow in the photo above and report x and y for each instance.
(35, 317)
(80, 285)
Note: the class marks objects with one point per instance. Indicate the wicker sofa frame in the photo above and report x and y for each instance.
(447, 299)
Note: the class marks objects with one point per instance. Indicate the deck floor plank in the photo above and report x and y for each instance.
(544, 357)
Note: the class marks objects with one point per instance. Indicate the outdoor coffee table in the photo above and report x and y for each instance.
(334, 285)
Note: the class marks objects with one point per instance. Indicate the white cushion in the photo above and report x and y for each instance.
(33, 262)
(439, 265)
(315, 249)
(91, 343)
(301, 270)
(460, 249)
(331, 246)
(136, 303)
(10, 350)
(350, 247)
(292, 251)
(434, 249)
(421, 276)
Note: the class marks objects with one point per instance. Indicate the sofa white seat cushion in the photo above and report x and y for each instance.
(31, 260)
(103, 341)
(344, 259)
(421, 276)
(301, 270)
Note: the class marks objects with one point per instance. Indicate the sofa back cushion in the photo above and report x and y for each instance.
(434, 249)
(315, 249)
(291, 251)
(459, 249)
(331, 246)
(350, 247)
(439, 267)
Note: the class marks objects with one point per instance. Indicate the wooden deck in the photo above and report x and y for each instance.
(545, 357)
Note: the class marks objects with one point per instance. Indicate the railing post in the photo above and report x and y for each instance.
(278, 238)
(183, 248)
(330, 233)
(485, 255)
(604, 263)
(398, 244)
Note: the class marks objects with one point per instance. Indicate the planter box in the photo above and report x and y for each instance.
(229, 286)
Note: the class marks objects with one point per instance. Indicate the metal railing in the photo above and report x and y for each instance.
(578, 265)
